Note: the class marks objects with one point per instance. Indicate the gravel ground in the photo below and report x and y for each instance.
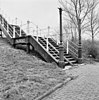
(85, 87)
(24, 76)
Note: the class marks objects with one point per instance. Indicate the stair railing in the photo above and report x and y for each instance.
(10, 30)
(53, 47)
(5, 25)
(72, 48)
(13, 31)
(37, 32)
(47, 38)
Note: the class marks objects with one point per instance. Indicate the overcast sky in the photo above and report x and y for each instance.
(41, 12)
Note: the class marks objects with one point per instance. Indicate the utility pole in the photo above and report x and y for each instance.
(61, 49)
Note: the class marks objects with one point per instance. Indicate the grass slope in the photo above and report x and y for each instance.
(24, 76)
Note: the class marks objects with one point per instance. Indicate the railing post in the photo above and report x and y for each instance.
(67, 51)
(7, 28)
(2, 22)
(13, 31)
(13, 40)
(28, 26)
(1, 33)
(28, 44)
(20, 29)
(48, 37)
(57, 39)
(37, 32)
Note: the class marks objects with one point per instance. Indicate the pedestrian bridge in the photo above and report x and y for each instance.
(47, 47)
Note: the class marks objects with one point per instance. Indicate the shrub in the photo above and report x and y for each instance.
(91, 49)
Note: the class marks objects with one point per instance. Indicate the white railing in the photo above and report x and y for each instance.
(73, 49)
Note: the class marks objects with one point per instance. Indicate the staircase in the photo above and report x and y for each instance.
(46, 47)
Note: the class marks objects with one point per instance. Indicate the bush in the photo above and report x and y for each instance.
(91, 49)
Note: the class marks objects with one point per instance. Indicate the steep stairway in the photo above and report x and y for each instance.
(67, 57)
(46, 47)
(53, 50)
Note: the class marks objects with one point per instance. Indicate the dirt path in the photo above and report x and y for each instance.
(85, 87)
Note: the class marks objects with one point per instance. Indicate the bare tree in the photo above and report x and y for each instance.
(76, 12)
(93, 22)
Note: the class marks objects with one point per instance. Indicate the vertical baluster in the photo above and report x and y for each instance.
(13, 31)
(28, 25)
(67, 47)
(7, 28)
(47, 43)
(57, 39)
(37, 32)
(47, 38)
(0, 19)
(20, 29)
(2, 22)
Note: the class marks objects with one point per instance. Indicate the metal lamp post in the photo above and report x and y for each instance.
(79, 47)
(61, 49)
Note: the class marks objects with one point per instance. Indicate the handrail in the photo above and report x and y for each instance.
(53, 46)
(73, 49)
(74, 54)
(73, 43)
(5, 25)
(58, 52)
(53, 38)
(45, 49)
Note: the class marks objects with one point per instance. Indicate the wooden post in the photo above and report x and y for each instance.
(2, 22)
(47, 38)
(13, 40)
(37, 32)
(1, 33)
(7, 28)
(13, 31)
(28, 26)
(28, 44)
(20, 29)
(67, 51)
(57, 38)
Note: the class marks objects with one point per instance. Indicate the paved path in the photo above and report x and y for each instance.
(85, 87)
